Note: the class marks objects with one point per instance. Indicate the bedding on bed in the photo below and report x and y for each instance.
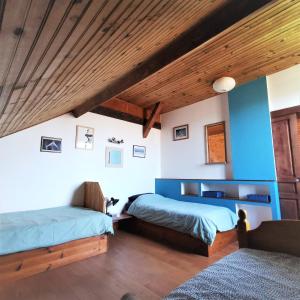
(20, 231)
(202, 221)
(245, 274)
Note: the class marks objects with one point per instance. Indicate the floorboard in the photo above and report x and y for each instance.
(132, 264)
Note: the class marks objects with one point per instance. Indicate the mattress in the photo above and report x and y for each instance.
(20, 231)
(201, 221)
(246, 274)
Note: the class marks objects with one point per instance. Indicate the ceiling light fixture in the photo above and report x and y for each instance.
(224, 84)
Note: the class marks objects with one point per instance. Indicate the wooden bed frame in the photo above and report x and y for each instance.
(27, 263)
(275, 236)
(177, 239)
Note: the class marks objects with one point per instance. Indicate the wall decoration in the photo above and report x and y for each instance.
(115, 141)
(49, 144)
(216, 143)
(113, 157)
(84, 138)
(139, 151)
(181, 132)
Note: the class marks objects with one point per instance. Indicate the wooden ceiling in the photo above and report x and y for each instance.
(261, 44)
(59, 54)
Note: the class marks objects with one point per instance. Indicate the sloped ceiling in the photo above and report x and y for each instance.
(254, 47)
(55, 55)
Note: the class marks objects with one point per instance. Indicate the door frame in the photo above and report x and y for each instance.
(285, 111)
(292, 114)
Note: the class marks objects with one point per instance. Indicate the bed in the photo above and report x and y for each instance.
(266, 267)
(197, 227)
(35, 241)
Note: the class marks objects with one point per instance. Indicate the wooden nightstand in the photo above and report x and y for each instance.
(117, 220)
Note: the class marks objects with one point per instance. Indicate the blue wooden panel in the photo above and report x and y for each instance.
(171, 188)
(250, 132)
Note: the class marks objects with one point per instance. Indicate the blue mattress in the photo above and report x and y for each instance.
(20, 231)
(199, 220)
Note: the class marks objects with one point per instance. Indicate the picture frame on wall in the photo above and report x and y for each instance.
(181, 132)
(50, 144)
(113, 157)
(139, 151)
(84, 137)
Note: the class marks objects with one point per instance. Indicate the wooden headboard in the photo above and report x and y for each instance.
(276, 236)
(93, 197)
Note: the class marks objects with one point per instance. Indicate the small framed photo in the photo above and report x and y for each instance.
(49, 144)
(139, 151)
(113, 157)
(181, 132)
(84, 138)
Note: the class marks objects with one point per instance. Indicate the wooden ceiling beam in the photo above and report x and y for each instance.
(149, 124)
(122, 110)
(221, 19)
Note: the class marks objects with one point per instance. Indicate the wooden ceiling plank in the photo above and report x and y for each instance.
(12, 20)
(150, 122)
(96, 76)
(245, 58)
(87, 62)
(211, 26)
(195, 85)
(196, 75)
(25, 76)
(238, 58)
(98, 31)
(116, 63)
(52, 83)
(208, 55)
(2, 8)
(90, 65)
(56, 96)
(59, 34)
(132, 96)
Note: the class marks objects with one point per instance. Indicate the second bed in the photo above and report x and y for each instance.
(201, 228)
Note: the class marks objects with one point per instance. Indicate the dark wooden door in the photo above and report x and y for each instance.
(286, 138)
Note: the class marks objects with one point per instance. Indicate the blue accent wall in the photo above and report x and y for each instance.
(250, 132)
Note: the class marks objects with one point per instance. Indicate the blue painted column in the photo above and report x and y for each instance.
(251, 133)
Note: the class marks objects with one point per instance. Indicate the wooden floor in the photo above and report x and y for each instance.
(133, 264)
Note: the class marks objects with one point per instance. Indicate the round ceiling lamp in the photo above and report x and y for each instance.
(224, 84)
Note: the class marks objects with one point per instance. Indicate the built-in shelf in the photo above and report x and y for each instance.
(190, 189)
(235, 194)
(235, 199)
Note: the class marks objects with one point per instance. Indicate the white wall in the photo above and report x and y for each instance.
(284, 88)
(186, 158)
(30, 179)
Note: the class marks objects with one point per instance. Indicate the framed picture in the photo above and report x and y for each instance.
(49, 144)
(84, 138)
(181, 132)
(139, 151)
(113, 157)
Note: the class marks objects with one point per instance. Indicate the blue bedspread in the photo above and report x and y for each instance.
(199, 220)
(20, 231)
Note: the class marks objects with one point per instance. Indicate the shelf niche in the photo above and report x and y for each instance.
(190, 189)
(236, 191)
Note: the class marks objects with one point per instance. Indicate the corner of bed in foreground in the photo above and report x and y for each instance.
(266, 267)
(24, 263)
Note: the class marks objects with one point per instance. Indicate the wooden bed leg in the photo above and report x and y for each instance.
(243, 227)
